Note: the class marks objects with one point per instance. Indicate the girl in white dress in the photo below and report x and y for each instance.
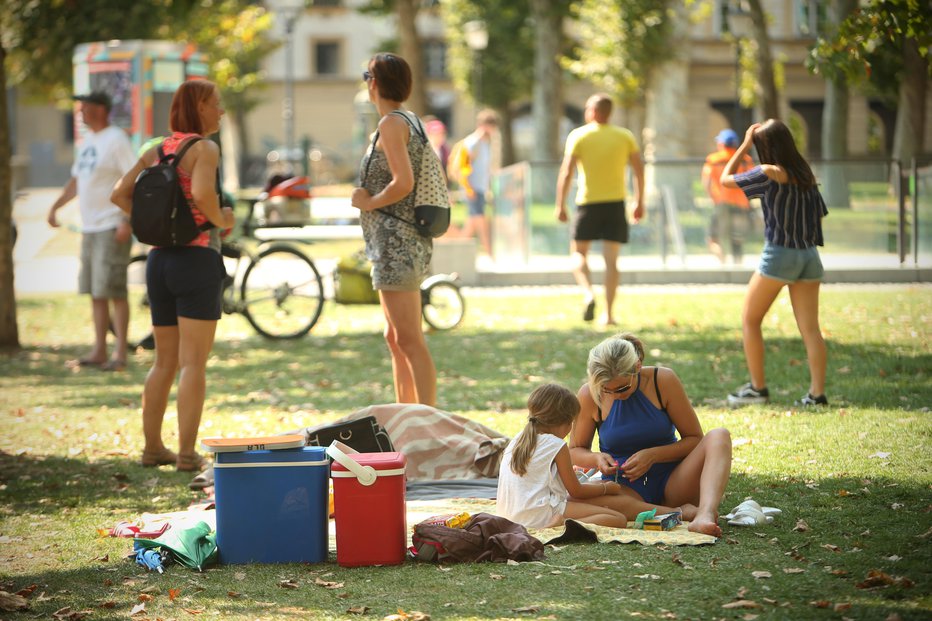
(537, 486)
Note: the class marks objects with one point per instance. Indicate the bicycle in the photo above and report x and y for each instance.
(278, 288)
(280, 291)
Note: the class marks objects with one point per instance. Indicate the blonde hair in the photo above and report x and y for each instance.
(549, 406)
(616, 355)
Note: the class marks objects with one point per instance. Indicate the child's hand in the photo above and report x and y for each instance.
(612, 488)
(606, 464)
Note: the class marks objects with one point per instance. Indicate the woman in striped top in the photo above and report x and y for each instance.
(793, 211)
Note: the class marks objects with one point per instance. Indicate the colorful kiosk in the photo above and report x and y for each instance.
(141, 77)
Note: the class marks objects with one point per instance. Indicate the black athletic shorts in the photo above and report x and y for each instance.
(185, 281)
(596, 221)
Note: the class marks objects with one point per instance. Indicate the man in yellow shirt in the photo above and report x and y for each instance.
(600, 153)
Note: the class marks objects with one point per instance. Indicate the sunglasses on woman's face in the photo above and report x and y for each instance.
(366, 76)
(617, 391)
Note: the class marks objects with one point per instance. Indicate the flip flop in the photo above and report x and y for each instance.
(203, 480)
(749, 516)
(754, 506)
(113, 365)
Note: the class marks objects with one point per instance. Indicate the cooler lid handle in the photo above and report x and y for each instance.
(339, 452)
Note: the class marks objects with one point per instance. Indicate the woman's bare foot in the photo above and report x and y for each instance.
(705, 523)
(688, 512)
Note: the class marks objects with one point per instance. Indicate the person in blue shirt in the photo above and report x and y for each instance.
(650, 439)
(793, 210)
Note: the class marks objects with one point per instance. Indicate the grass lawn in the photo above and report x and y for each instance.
(853, 479)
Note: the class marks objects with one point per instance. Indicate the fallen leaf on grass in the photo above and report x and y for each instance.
(414, 615)
(234, 594)
(526, 609)
(239, 575)
(841, 606)
(761, 574)
(357, 610)
(496, 577)
(108, 604)
(648, 577)
(742, 603)
(173, 593)
(821, 603)
(192, 611)
(801, 526)
(876, 578)
(145, 597)
(138, 609)
(879, 455)
(743, 592)
(10, 602)
(327, 584)
(27, 591)
(832, 547)
(793, 570)
(67, 614)
(288, 584)
(151, 589)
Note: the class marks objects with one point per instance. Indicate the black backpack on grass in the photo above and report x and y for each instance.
(161, 215)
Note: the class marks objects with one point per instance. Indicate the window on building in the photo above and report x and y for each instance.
(435, 59)
(327, 58)
(810, 17)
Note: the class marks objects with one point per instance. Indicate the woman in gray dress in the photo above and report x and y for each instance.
(400, 255)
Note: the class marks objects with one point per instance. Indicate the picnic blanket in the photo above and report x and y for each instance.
(573, 531)
(438, 445)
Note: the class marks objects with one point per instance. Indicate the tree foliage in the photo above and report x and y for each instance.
(619, 43)
(867, 47)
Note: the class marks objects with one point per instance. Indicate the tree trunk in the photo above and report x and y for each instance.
(910, 114)
(666, 121)
(547, 96)
(505, 118)
(411, 50)
(769, 103)
(835, 122)
(9, 333)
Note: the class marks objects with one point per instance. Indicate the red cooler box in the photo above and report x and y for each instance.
(369, 506)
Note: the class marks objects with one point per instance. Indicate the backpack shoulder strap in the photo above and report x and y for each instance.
(184, 149)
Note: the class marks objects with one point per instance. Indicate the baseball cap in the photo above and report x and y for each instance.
(727, 137)
(96, 97)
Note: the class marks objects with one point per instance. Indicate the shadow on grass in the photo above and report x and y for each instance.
(492, 370)
(845, 536)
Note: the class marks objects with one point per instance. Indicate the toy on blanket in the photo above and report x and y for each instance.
(649, 520)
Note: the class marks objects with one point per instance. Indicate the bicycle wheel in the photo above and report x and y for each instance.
(282, 293)
(442, 305)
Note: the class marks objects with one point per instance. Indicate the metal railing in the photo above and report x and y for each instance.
(880, 215)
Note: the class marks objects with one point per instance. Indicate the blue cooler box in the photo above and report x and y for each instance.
(272, 506)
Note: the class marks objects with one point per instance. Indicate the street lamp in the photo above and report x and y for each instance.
(290, 11)
(477, 39)
(740, 26)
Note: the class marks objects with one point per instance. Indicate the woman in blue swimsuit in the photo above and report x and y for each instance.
(638, 412)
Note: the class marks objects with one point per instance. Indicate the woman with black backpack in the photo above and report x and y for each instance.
(184, 281)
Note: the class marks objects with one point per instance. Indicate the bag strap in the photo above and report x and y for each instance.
(179, 153)
(657, 388)
(365, 175)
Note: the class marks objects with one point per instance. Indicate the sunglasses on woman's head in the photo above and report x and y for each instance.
(366, 76)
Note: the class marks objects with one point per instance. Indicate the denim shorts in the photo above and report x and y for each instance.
(476, 204)
(790, 265)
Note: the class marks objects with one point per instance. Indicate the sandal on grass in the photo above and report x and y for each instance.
(202, 480)
(161, 457)
(191, 462)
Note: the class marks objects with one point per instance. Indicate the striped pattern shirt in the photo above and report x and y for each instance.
(792, 214)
